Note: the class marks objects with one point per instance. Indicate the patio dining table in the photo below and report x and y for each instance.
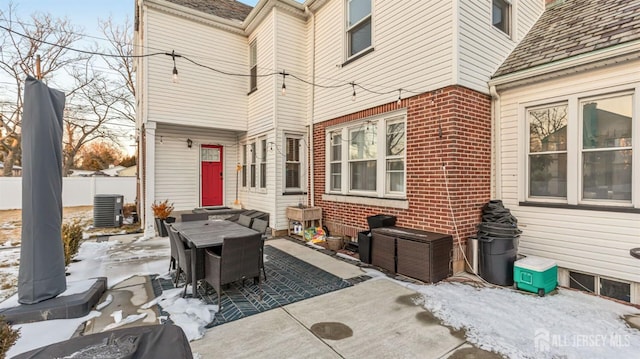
(206, 234)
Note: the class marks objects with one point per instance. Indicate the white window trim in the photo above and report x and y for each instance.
(347, 28)
(381, 122)
(303, 156)
(574, 147)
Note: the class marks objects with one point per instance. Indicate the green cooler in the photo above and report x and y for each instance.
(535, 274)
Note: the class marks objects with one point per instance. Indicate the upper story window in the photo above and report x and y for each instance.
(595, 169)
(358, 26)
(501, 15)
(253, 66)
(367, 158)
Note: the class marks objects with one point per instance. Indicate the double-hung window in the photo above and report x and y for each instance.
(335, 161)
(359, 29)
(548, 151)
(263, 163)
(363, 156)
(253, 66)
(253, 164)
(244, 166)
(607, 148)
(593, 169)
(293, 163)
(367, 158)
(395, 147)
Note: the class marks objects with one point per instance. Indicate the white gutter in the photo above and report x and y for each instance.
(606, 56)
(496, 145)
(312, 107)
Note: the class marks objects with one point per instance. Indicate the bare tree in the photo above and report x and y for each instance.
(120, 41)
(21, 42)
(91, 114)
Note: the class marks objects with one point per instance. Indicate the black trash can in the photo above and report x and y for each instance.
(496, 258)
(364, 246)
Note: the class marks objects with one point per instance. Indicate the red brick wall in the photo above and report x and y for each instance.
(465, 149)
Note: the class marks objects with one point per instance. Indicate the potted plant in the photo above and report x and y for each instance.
(161, 212)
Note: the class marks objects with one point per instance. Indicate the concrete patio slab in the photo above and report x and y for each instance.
(128, 296)
(385, 321)
(271, 334)
(336, 267)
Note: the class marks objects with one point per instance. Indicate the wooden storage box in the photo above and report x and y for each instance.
(418, 254)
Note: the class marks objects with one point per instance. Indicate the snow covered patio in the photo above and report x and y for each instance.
(380, 317)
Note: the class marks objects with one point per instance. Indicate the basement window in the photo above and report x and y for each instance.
(583, 282)
(606, 287)
(614, 289)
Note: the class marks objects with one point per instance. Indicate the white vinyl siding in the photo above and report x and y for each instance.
(177, 167)
(199, 90)
(260, 110)
(588, 241)
(413, 50)
(482, 47)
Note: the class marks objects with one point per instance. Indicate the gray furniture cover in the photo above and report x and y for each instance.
(42, 274)
(150, 341)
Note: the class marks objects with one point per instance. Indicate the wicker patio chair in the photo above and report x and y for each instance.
(184, 258)
(188, 217)
(260, 225)
(239, 259)
(174, 251)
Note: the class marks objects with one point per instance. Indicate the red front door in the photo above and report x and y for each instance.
(211, 184)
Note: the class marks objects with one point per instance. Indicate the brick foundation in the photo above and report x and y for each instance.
(464, 116)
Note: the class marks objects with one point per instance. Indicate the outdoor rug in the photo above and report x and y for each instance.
(289, 280)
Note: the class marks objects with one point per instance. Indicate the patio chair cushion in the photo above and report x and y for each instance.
(245, 220)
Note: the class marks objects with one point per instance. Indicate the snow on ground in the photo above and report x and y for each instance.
(515, 324)
(35, 335)
(568, 324)
(118, 261)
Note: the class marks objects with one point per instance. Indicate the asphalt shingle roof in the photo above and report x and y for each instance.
(228, 9)
(572, 27)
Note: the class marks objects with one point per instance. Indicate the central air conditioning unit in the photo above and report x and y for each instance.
(107, 210)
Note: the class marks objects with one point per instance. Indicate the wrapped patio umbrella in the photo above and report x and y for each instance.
(42, 274)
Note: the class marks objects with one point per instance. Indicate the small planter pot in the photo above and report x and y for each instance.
(160, 228)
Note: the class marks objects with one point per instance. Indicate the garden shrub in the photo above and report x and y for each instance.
(8, 337)
(71, 237)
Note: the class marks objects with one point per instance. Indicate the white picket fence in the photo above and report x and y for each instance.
(76, 191)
